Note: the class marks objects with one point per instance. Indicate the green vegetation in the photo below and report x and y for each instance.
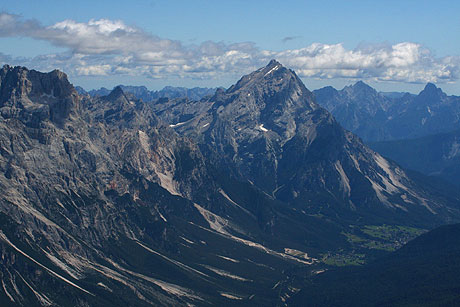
(353, 238)
(344, 259)
(392, 233)
(378, 238)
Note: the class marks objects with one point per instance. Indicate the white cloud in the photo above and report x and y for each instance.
(105, 47)
(94, 70)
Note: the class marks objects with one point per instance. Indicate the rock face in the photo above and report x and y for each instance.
(32, 96)
(377, 117)
(113, 201)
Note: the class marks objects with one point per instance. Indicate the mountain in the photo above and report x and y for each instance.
(106, 202)
(267, 130)
(428, 113)
(425, 272)
(96, 206)
(358, 108)
(434, 155)
(380, 117)
(395, 95)
(141, 92)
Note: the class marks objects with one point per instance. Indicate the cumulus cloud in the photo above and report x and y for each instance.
(109, 47)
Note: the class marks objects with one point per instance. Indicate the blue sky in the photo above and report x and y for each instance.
(392, 45)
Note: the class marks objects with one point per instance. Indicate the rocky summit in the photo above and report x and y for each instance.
(111, 201)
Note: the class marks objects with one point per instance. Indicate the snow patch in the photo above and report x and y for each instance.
(272, 70)
(261, 127)
(176, 125)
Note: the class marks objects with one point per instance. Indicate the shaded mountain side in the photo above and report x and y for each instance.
(425, 272)
(391, 116)
(435, 155)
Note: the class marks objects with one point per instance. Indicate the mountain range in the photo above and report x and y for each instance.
(375, 116)
(141, 92)
(115, 200)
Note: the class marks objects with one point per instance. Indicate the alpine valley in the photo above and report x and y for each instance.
(243, 196)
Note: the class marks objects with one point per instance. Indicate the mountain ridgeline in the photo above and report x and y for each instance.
(375, 116)
(111, 200)
(141, 92)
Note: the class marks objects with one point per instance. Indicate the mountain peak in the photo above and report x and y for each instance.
(431, 93)
(116, 93)
(270, 81)
(273, 71)
(361, 85)
(430, 87)
(273, 62)
(32, 90)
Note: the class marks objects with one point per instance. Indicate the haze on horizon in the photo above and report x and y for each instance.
(392, 46)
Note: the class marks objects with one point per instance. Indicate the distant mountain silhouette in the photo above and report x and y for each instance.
(391, 116)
